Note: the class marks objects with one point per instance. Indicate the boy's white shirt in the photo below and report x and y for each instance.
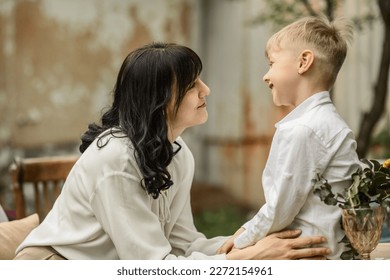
(311, 139)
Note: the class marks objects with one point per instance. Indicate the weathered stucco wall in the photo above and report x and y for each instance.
(59, 60)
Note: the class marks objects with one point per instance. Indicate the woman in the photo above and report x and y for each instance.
(128, 196)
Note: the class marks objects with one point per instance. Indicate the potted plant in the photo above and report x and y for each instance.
(363, 204)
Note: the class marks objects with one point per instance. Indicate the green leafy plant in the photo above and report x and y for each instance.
(370, 185)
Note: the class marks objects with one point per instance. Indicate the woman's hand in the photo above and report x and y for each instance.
(284, 245)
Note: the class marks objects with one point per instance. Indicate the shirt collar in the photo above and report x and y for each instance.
(311, 102)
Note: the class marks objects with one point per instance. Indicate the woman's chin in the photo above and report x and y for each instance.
(201, 121)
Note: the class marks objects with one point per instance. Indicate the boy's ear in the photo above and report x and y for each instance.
(306, 59)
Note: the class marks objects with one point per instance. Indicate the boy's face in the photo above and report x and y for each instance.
(282, 76)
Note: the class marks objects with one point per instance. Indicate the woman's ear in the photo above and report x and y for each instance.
(306, 59)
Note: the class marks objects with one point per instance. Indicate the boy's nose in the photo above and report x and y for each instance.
(266, 78)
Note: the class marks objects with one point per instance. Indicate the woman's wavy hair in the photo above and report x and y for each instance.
(148, 79)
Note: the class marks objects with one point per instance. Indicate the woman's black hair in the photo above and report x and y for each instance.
(148, 79)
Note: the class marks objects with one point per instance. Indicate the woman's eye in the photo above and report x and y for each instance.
(192, 85)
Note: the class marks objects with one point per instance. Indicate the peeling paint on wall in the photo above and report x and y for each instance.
(59, 60)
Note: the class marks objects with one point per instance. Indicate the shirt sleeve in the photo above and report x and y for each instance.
(123, 209)
(293, 168)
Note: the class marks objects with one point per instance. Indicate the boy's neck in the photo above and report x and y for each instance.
(310, 82)
(307, 90)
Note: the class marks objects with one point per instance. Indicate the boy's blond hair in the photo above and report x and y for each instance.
(328, 41)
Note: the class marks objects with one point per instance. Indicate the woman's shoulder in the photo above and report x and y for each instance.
(112, 143)
(110, 149)
(184, 155)
(183, 146)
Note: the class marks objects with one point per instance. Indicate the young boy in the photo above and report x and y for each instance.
(304, 59)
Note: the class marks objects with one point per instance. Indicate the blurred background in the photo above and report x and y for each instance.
(59, 60)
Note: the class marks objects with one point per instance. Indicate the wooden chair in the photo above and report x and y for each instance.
(45, 175)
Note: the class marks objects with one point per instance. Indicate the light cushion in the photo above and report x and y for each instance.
(3, 216)
(13, 233)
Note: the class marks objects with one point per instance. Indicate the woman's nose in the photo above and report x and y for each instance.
(204, 89)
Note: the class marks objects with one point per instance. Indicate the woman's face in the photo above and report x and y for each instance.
(192, 110)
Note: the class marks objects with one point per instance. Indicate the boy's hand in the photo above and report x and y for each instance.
(229, 244)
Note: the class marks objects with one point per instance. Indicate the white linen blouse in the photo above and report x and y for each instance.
(104, 213)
